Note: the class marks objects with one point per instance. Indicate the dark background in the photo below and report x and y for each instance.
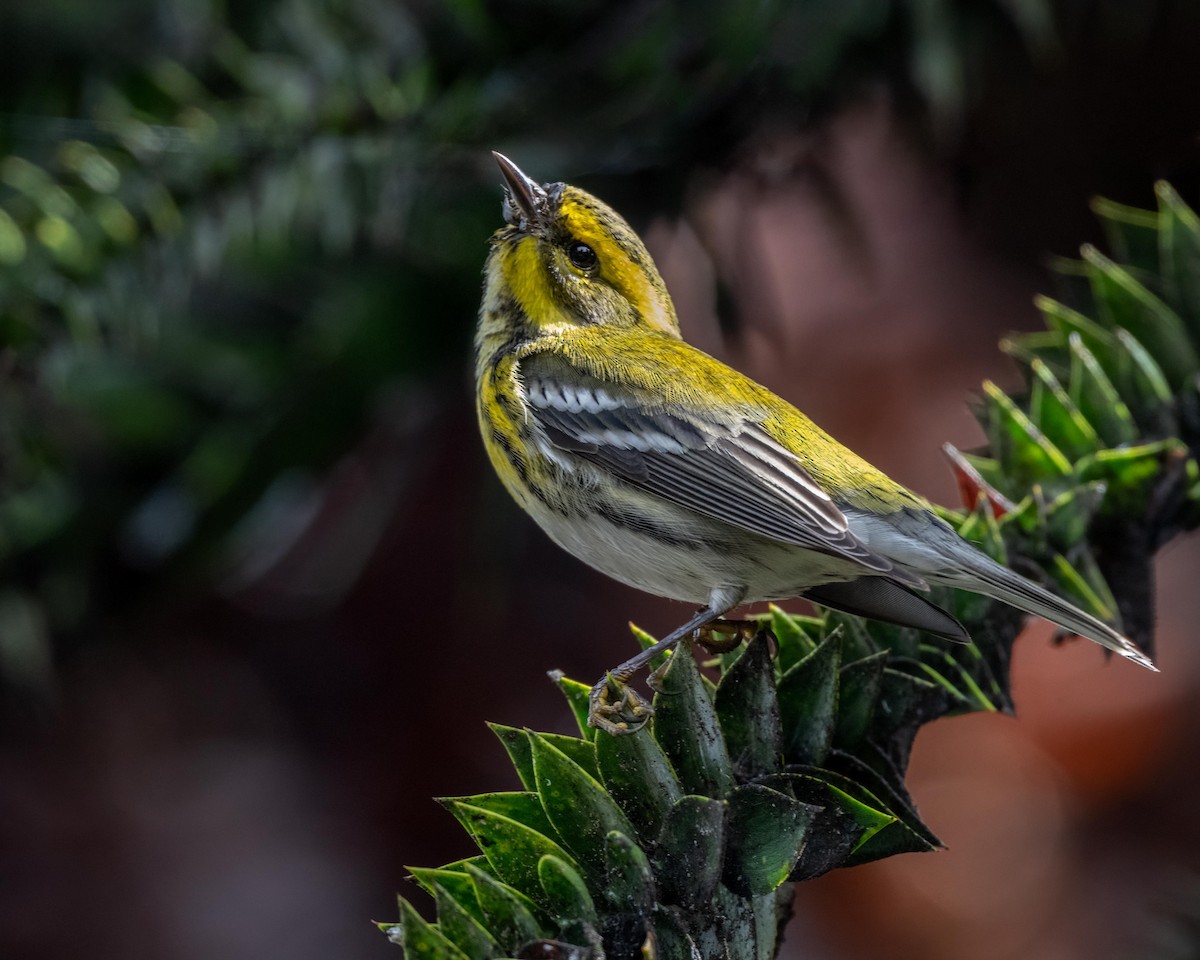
(259, 590)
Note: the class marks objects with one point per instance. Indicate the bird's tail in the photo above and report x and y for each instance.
(984, 575)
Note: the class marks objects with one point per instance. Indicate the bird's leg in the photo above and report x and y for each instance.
(740, 631)
(630, 712)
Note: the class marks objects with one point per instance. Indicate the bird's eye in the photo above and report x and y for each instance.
(581, 255)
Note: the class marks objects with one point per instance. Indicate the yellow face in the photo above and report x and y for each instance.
(567, 258)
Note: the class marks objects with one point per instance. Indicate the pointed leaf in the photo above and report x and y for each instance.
(749, 712)
(522, 806)
(1028, 457)
(672, 941)
(843, 824)
(874, 772)
(687, 861)
(1127, 375)
(457, 883)
(1092, 391)
(1123, 302)
(512, 848)
(583, 752)
(906, 701)
(766, 837)
(1179, 253)
(808, 698)
(1071, 584)
(509, 916)
(1129, 473)
(567, 895)
(1053, 411)
(578, 699)
(1067, 516)
(461, 927)
(422, 940)
(1132, 233)
(1064, 321)
(637, 773)
(858, 640)
(971, 483)
(578, 806)
(941, 666)
(1145, 387)
(857, 695)
(896, 837)
(685, 726)
(1048, 345)
(794, 643)
(630, 883)
(516, 743)
(992, 473)
(866, 809)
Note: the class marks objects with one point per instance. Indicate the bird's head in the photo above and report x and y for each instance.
(566, 257)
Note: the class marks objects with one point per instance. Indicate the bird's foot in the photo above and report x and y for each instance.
(615, 708)
(721, 636)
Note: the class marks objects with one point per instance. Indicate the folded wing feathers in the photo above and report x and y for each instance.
(743, 478)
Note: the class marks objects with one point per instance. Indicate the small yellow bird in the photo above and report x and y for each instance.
(674, 473)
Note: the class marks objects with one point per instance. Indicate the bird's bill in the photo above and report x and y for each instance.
(526, 198)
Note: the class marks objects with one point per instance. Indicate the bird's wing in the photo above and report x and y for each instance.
(736, 474)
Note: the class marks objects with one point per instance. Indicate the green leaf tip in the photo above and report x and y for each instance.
(577, 804)
(687, 728)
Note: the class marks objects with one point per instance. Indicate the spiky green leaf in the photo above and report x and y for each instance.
(512, 848)
(462, 927)
(858, 692)
(687, 859)
(578, 698)
(748, 710)
(1179, 253)
(630, 878)
(583, 752)
(455, 879)
(566, 895)
(509, 916)
(1024, 451)
(1055, 414)
(766, 832)
(686, 727)
(793, 639)
(808, 702)
(522, 806)
(422, 940)
(1093, 393)
(577, 804)
(639, 777)
(1123, 302)
(516, 745)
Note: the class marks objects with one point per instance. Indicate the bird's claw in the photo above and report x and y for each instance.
(740, 631)
(628, 714)
(654, 680)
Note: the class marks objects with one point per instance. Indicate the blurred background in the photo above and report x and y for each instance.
(259, 589)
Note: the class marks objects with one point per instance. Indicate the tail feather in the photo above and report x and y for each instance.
(881, 599)
(990, 578)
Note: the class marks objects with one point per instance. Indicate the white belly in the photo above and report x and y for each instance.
(690, 569)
